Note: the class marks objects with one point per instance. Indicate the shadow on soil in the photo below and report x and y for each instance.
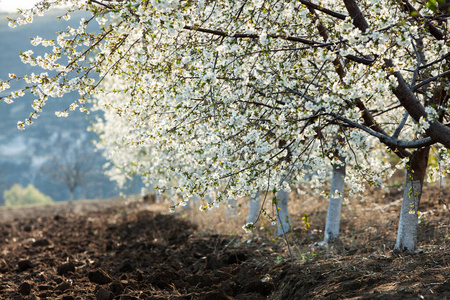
(124, 252)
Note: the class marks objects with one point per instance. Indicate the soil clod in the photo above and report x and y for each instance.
(66, 268)
(40, 243)
(114, 251)
(99, 276)
(103, 294)
(25, 288)
(24, 264)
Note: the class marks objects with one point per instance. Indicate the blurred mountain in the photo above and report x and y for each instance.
(27, 156)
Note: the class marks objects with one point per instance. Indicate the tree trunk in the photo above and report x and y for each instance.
(187, 206)
(158, 196)
(442, 177)
(283, 222)
(195, 201)
(253, 211)
(334, 206)
(407, 227)
(71, 195)
(171, 195)
(231, 208)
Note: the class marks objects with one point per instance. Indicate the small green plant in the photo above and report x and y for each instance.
(279, 259)
(307, 255)
(18, 195)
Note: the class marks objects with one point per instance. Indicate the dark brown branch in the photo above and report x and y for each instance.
(258, 104)
(435, 62)
(361, 60)
(98, 2)
(370, 122)
(429, 80)
(251, 35)
(355, 13)
(205, 30)
(416, 15)
(406, 96)
(437, 131)
(324, 10)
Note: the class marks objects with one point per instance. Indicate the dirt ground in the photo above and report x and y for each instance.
(132, 249)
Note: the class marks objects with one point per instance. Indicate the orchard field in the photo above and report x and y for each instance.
(224, 99)
(135, 249)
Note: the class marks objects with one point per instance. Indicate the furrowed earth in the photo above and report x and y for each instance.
(133, 249)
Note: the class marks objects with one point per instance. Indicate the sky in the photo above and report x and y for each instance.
(12, 5)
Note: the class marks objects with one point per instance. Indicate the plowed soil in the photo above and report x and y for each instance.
(112, 250)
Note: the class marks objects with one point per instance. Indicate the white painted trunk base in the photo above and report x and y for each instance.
(253, 211)
(334, 206)
(231, 208)
(407, 226)
(190, 203)
(283, 221)
(158, 198)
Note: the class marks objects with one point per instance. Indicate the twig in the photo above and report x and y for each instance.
(429, 80)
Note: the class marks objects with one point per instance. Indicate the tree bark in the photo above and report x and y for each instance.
(253, 211)
(437, 131)
(283, 221)
(71, 191)
(158, 198)
(231, 208)
(407, 226)
(355, 13)
(195, 201)
(334, 206)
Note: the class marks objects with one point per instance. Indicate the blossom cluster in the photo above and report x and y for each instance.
(223, 98)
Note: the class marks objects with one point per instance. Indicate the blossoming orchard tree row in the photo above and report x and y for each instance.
(225, 98)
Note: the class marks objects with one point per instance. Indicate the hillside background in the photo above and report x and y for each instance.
(32, 156)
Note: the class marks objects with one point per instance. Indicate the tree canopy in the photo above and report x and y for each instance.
(230, 96)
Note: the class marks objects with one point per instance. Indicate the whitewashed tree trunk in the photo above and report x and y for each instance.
(253, 211)
(442, 182)
(188, 205)
(158, 196)
(407, 226)
(442, 177)
(334, 206)
(195, 201)
(283, 221)
(171, 195)
(231, 208)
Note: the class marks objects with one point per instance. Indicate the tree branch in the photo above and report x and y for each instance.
(370, 122)
(429, 80)
(251, 35)
(437, 131)
(416, 15)
(401, 125)
(355, 13)
(258, 104)
(98, 2)
(436, 61)
(361, 60)
(385, 139)
(324, 10)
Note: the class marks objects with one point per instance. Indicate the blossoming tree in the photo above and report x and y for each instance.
(232, 96)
